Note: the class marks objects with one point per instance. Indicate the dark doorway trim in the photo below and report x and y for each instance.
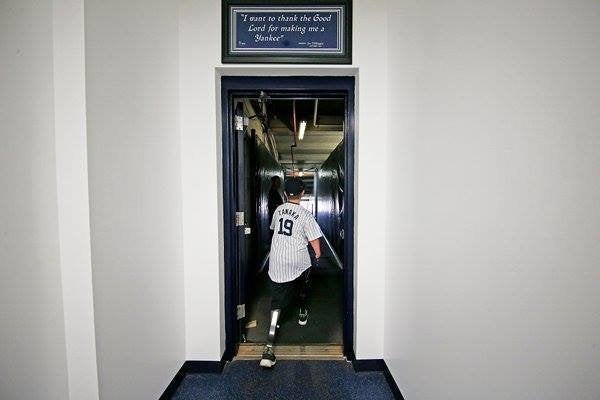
(295, 86)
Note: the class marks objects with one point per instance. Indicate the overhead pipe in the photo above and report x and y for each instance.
(294, 134)
(263, 118)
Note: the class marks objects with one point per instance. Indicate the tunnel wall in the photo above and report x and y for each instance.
(264, 167)
(329, 198)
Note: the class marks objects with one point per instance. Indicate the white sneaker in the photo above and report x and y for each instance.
(303, 317)
(268, 357)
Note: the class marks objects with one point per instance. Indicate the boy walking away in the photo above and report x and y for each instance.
(289, 262)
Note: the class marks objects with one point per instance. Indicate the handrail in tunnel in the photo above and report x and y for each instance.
(336, 258)
(263, 264)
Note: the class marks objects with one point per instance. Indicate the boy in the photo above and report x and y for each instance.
(289, 262)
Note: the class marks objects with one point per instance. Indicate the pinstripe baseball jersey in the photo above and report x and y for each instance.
(293, 226)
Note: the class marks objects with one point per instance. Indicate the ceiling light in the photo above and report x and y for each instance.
(300, 173)
(301, 130)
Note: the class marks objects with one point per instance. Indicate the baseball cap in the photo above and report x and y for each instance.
(294, 186)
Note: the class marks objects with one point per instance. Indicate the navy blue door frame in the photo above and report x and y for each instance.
(296, 86)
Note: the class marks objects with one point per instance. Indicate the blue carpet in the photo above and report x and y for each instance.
(289, 380)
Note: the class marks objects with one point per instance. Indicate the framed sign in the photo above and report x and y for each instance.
(287, 31)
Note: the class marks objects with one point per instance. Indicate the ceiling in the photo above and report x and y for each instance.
(319, 140)
(324, 131)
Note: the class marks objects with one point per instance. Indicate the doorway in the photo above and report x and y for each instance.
(272, 129)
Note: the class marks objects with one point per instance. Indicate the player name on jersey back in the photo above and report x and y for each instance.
(288, 211)
(293, 227)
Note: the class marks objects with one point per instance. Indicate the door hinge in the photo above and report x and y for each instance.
(241, 311)
(238, 123)
(239, 218)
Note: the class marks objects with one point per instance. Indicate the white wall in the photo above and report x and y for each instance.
(492, 275)
(370, 56)
(201, 164)
(135, 194)
(33, 362)
(200, 50)
(72, 198)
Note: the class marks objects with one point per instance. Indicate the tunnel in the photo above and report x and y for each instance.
(303, 138)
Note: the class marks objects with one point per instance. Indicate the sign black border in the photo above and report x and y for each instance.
(228, 58)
